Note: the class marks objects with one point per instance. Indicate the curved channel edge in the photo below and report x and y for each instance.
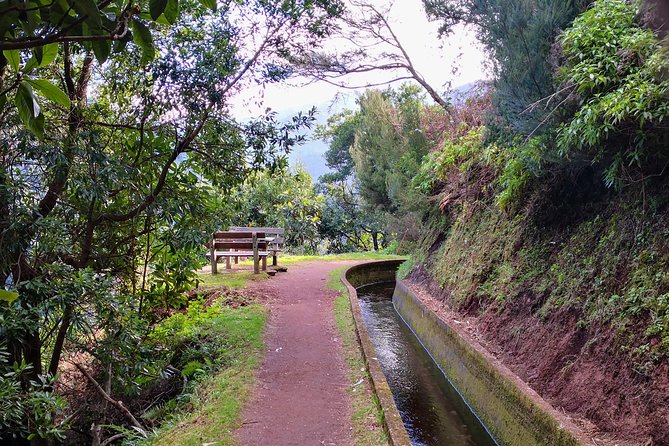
(360, 274)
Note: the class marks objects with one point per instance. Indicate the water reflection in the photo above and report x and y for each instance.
(432, 410)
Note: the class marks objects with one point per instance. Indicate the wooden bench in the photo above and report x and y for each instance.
(274, 236)
(227, 244)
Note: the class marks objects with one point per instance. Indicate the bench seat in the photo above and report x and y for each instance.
(275, 237)
(235, 244)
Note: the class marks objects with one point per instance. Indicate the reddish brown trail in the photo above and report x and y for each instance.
(300, 396)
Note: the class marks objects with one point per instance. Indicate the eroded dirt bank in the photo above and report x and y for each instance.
(578, 370)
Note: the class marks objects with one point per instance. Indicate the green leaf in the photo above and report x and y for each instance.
(89, 9)
(142, 37)
(101, 49)
(30, 65)
(171, 12)
(3, 100)
(25, 103)
(8, 296)
(156, 8)
(13, 58)
(49, 53)
(211, 4)
(119, 46)
(37, 53)
(50, 91)
(28, 108)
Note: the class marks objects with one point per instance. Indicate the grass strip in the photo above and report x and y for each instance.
(213, 412)
(366, 414)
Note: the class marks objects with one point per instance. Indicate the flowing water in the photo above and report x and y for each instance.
(433, 412)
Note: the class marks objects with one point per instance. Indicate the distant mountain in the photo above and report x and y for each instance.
(311, 156)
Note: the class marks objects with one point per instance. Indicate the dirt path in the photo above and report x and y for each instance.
(300, 397)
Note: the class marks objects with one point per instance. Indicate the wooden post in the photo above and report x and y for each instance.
(256, 263)
(264, 263)
(274, 258)
(214, 269)
(227, 263)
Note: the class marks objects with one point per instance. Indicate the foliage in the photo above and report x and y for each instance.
(468, 162)
(285, 199)
(172, 275)
(389, 145)
(219, 348)
(347, 224)
(115, 174)
(460, 153)
(34, 401)
(517, 35)
(405, 268)
(615, 66)
(340, 135)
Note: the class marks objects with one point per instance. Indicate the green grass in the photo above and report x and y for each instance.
(237, 278)
(213, 412)
(366, 414)
(229, 278)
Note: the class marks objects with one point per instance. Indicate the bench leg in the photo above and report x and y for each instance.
(227, 263)
(214, 269)
(274, 259)
(256, 258)
(236, 260)
(264, 263)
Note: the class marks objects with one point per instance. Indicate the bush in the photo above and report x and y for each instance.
(614, 64)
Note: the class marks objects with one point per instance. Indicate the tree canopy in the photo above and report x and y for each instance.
(115, 138)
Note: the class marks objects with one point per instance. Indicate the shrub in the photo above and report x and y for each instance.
(614, 64)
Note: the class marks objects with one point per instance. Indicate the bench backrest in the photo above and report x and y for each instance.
(237, 240)
(277, 233)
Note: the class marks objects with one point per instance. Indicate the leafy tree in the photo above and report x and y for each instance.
(340, 135)
(377, 151)
(347, 225)
(285, 199)
(389, 146)
(114, 167)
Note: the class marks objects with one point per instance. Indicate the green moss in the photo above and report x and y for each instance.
(609, 266)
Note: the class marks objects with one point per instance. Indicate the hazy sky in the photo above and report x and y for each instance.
(435, 58)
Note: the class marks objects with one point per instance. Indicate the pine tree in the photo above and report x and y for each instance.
(519, 35)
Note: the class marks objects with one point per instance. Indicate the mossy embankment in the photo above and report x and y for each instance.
(570, 290)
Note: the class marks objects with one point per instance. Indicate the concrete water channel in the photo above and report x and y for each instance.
(436, 385)
(432, 410)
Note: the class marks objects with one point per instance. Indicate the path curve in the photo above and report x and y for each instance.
(300, 395)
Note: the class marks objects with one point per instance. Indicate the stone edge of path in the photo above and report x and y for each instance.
(392, 421)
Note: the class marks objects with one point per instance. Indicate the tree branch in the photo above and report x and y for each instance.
(118, 404)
